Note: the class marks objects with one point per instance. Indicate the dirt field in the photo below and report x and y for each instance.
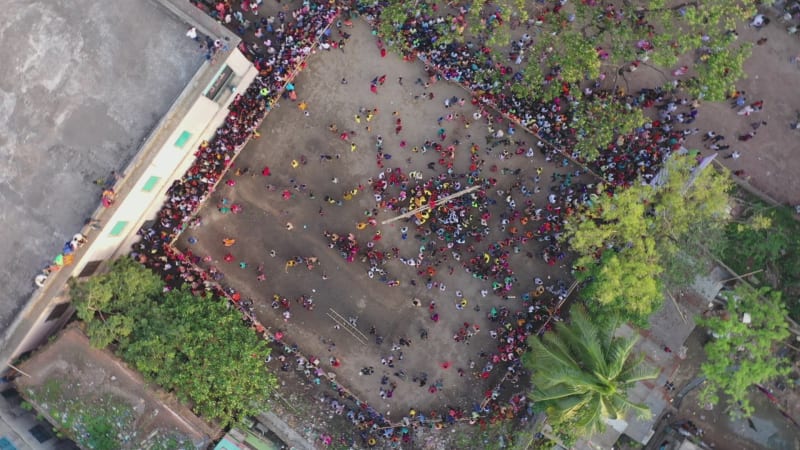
(343, 288)
(770, 159)
(287, 134)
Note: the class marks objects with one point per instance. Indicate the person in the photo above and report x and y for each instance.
(77, 241)
(92, 223)
(192, 34)
(734, 155)
(748, 136)
(107, 198)
(796, 124)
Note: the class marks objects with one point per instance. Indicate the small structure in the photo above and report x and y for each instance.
(238, 439)
(91, 396)
(669, 328)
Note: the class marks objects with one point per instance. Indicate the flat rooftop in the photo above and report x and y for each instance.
(81, 85)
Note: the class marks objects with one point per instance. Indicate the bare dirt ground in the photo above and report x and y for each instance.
(287, 134)
(770, 160)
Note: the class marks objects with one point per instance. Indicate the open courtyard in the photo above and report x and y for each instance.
(317, 184)
(341, 271)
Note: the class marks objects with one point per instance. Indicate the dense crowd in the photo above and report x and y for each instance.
(456, 231)
(490, 79)
(212, 159)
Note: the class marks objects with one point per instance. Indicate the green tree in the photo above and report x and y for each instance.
(617, 254)
(647, 31)
(717, 73)
(395, 13)
(634, 243)
(197, 347)
(482, 19)
(109, 303)
(742, 352)
(765, 237)
(200, 349)
(690, 210)
(581, 373)
(625, 283)
(392, 18)
(599, 121)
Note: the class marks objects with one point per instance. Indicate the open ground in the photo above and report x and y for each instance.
(289, 134)
(345, 288)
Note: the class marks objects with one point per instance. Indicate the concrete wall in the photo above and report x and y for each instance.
(159, 162)
(168, 164)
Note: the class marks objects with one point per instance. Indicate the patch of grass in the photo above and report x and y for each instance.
(50, 392)
(100, 424)
(170, 441)
(100, 433)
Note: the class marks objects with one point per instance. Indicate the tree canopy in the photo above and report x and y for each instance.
(741, 352)
(199, 348)
(599, 120)
(765, 237)
(581, 373)
(633, 243)
(581, 39)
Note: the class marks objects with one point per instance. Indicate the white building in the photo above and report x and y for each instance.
(159, 28)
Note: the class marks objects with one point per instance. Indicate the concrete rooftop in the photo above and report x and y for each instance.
(82, 83)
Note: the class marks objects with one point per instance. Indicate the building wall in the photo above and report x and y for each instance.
(164, 157)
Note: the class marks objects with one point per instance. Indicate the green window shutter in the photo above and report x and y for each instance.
(118, 228)
(150, 184)
(183, 139)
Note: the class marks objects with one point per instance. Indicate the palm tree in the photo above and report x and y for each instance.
(581, 374)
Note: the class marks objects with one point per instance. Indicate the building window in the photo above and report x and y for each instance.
(41, 433)
(150, 184)
(217, 87)
(183, 139)
(118, 228)
(58, 311)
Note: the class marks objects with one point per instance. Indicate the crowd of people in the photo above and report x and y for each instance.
(458, 230)
(292, 43)
(214, 157)
(490, 80)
